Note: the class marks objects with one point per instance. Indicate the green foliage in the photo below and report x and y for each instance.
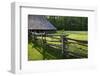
(69, 23)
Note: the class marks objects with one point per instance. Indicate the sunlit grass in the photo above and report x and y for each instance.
(33, 54)
(79, 35)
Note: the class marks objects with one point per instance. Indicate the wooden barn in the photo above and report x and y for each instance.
(39, 24)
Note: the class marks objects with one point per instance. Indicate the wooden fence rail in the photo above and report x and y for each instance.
(80, 41)
(63, 40)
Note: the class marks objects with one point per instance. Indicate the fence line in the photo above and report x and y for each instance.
(63, 40)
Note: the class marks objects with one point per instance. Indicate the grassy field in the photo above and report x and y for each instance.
(79, 35)
(36, 51)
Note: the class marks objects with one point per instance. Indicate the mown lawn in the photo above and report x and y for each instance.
(79, 35)
(35, 52)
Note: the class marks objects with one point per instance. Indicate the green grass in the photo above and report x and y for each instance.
(33, 54)
(79, 35)
(36, 52)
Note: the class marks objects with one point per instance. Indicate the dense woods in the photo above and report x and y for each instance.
(68, 23)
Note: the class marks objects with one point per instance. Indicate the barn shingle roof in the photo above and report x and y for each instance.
(39, 22)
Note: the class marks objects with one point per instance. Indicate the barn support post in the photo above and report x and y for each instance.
(34, 37)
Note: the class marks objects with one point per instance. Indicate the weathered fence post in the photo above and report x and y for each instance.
(44, 44)
(64, 48)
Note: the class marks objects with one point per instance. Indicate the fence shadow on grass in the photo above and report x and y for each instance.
(50, 52)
